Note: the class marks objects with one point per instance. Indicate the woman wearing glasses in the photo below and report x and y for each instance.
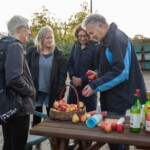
(82, 58)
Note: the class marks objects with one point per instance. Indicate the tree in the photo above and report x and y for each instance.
(63, 31)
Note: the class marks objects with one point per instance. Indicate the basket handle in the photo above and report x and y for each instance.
(77, 97)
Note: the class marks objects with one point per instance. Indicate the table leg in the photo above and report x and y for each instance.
(55, 143)
(64, 143)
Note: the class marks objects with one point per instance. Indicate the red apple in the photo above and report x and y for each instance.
(91, 77)
(83, 92)
(103, 124)
(56, 104)
(88, 73)
(103, 113)
(107, 128)
(120, 127)
(83, 118)
(114, 126)
(62, 102)
(63, 108)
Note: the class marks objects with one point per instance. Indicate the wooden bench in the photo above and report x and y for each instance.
(36, 139)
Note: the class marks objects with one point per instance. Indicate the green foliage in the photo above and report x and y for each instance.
(65, 48)
(63, 31)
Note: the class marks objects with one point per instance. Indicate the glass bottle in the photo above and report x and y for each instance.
(135, 117)
(147, 103)
(138, 103)
(147, 121)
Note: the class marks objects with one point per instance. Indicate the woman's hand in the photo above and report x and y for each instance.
(76, 81)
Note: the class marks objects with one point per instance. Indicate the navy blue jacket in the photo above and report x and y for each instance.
(120, 73)
(78, 63)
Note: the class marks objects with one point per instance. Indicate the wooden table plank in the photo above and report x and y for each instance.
(68, 130)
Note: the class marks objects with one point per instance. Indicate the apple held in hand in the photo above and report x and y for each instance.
(89, 72)
(84, 92)
(56, 104)
(92, 77)
(120, 127)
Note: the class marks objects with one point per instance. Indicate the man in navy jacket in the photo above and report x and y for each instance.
(119, 71)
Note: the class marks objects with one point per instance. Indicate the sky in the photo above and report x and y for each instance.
(131, 16)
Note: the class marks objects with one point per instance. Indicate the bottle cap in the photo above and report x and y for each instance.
(138, 92)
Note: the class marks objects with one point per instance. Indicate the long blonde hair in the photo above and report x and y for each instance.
(40, 37)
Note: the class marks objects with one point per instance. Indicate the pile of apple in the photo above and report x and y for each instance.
(115, 126)
(82, 118)
(62, 106)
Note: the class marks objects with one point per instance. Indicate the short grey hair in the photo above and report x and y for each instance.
(93, 19)
(40, 37)
(16, 22)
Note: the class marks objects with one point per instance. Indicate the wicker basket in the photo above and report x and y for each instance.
(62, 115)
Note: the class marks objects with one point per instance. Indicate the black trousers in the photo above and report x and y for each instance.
(15, 133)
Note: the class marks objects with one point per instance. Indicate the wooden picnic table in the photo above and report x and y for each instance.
(62, 131)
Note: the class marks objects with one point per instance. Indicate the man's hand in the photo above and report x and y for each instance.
(91, 74)
(87, 91)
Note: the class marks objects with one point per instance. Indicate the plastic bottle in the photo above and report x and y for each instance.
(135, 117)
(121, 120)
(94, 120)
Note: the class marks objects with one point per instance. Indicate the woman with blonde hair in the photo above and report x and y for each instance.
(48, 69)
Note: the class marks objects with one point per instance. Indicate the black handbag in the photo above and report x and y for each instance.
(10, 105)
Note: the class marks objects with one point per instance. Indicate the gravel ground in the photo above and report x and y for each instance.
(46, 146)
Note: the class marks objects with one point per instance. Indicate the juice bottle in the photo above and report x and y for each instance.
(135, 117)
(147, 121)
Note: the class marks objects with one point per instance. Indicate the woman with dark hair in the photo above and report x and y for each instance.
(82, 58)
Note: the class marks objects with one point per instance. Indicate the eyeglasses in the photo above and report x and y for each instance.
(82, 36)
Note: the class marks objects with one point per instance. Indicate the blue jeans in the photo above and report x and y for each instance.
(42, 99)
(116, 146)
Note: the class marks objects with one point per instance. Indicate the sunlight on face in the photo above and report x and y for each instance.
(24, 32)
(48, 39)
